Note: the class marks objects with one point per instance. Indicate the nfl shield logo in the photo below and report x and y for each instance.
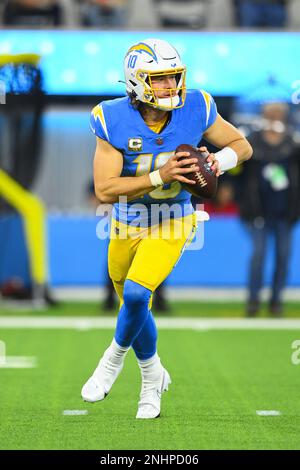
(135, 144)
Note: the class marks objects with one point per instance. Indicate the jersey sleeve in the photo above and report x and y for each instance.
(209, 110)
(98, 123)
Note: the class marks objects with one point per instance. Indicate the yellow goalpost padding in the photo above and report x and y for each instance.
(33, 212)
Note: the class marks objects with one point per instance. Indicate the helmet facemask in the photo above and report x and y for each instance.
(176, 96)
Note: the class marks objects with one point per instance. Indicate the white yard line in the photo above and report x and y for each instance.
(18, 362)
(165, 323)
(268, 413)
(75, 412)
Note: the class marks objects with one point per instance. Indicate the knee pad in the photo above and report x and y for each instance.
(135, 295)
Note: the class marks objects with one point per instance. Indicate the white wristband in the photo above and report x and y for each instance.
(155, 179)
(227, 158)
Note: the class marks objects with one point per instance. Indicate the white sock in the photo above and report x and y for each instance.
(151, 368)
(116, 353)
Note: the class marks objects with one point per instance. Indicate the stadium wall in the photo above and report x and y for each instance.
(78, 257)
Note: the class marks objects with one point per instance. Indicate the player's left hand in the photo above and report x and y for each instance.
(212, 159)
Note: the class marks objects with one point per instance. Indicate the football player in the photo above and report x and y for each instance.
(135, 160)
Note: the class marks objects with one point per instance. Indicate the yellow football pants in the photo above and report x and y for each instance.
(147, 255)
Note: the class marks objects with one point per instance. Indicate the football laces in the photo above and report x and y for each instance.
(201, 179)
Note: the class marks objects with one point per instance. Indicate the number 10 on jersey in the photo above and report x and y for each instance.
(144, 165)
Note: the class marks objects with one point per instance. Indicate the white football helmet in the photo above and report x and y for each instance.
(148, 59)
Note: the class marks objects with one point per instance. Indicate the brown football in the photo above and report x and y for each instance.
(206, 180)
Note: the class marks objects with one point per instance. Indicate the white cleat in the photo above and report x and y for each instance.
(150, 398)
(100, 383)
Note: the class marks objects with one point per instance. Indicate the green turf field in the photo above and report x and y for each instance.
(220, 379)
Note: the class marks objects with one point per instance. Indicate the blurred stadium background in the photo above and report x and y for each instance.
(57, 60)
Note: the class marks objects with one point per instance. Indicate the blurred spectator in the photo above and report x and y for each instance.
(293, 9)
(220, 14)
(269, 201)
(223, 203)
(261, 13)
(21, 129)
(110, 13)
(142, 14)
(32, 13)
(184, 14)
(180, 13)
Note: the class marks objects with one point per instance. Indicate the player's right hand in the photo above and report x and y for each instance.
(174, 170)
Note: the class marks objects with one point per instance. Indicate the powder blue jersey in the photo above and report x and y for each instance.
(120, 124)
